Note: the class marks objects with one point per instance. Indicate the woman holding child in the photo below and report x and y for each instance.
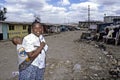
(31, 54)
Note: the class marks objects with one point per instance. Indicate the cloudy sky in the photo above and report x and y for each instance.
(59, 11)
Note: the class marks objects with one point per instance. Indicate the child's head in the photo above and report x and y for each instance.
(16, 40)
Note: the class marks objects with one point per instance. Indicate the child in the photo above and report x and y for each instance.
(22, 55)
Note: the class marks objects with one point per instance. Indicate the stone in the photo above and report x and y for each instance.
(77, 67)
(95, 67)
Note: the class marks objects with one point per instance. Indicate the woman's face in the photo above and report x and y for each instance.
(37, 29)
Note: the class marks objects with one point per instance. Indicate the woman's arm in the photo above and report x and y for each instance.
(32, 55)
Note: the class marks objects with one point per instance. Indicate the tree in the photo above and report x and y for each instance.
(3, 11)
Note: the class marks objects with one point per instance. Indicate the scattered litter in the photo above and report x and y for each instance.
(15, 73)
(95, 67)
(100, 57)
(77, 67)
(105, 52)
(96, 75)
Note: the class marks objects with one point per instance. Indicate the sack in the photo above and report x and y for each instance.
(24, 65)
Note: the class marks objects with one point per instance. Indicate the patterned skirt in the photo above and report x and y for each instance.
(32, 73)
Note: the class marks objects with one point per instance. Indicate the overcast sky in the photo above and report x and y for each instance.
(59, 11)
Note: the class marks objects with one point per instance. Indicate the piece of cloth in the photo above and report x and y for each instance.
(22, 56)
(32, 73)
(31, 42)
(110, 33)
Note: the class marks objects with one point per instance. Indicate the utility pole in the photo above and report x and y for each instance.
(104, 18)
(88, 16)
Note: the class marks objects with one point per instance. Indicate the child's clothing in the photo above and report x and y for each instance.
(22, 55)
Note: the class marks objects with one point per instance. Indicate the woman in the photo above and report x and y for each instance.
(34, 47)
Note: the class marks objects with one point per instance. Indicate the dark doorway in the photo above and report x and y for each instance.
(1, 36)
(29, 29)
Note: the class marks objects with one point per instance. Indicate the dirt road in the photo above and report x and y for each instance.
(67, 59)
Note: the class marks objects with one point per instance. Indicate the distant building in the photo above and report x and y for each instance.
(101, 27)
(110, 19)
(116, 21)
(86, 24)
(10, 29)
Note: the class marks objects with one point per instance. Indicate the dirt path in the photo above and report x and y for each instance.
(8, 60)
(67, 59)
(61, 56)
(71, 60)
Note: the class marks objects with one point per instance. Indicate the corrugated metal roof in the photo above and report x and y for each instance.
(10, 22)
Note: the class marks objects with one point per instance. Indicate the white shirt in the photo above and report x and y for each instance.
(30, 43)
